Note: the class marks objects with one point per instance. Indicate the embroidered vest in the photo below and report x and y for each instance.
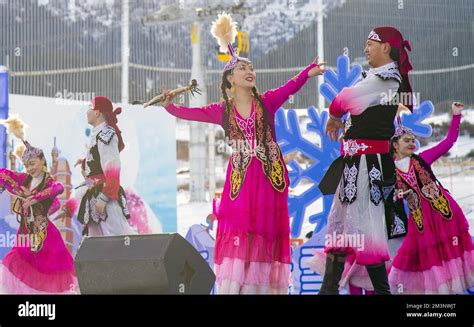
(242, 154)
(424, 185)
(34, 220)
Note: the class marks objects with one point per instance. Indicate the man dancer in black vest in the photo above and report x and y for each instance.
(356, 222)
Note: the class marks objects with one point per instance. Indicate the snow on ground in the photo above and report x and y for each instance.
(467, 116)
(461, 148)
(464, 143)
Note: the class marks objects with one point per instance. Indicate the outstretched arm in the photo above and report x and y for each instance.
(432, 154)
(275, 98)
(368, 92)
(355, 99)
(211, 113)
(12, 181)
(53, 190)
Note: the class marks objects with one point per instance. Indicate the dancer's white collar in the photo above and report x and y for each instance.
(99, 127)
(387, 71)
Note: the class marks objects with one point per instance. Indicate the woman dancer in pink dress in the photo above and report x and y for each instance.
(39, 262)
(437, 255)
(252, 252)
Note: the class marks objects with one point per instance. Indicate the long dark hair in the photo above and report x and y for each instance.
(392, 149)
(225, 85)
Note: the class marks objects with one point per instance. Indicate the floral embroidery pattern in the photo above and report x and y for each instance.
(348, 188)
(431, 192)
(242, 156)
(351, 147)
(375, 190)
(419, 180)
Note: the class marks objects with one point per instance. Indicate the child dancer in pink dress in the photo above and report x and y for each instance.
(39, 262)
(252, 253)
(436, 256)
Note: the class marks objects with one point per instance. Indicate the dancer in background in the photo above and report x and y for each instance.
(39, 262)
(101, 200)
(252, 252)
(437, 255)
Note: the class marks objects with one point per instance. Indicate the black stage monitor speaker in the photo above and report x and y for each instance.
(141, 264)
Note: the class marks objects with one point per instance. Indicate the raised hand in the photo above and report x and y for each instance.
(318, 70)
(457, 107)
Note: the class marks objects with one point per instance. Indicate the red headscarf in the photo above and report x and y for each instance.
(392, 36)
(104, 105)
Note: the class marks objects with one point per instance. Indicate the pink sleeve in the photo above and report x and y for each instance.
(211, 113)
(337, 108)
(275, 98)
(12, 180)
(432, 154)
(369, 92)
(53, 190)
(55, 206)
